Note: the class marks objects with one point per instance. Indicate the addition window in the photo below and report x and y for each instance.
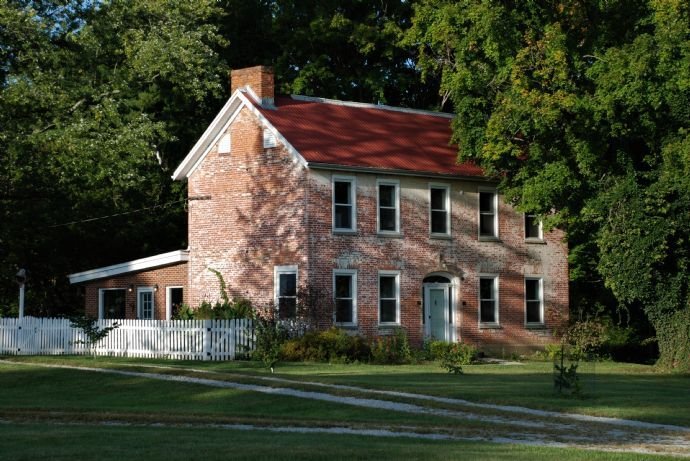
(111, 303)
(488, 215)
(145, 305)
(389, 297)
(388, 206)
(488, 300)
(534, 301)
(439, 209)
(533, 229)
(345, 296)
(344, 204)
(285, 280)
(174, 297)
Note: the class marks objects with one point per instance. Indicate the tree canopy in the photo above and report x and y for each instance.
(582, 111)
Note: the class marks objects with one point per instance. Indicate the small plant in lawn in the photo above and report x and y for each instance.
(94, 334)
(270, 336)
(565, 378)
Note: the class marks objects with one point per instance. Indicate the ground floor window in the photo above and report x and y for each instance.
(389, 297)
(112, 303)
(345, 289)
(534, 301)
(145, 306)
(488, 300)
(175, 297)
(285, 281)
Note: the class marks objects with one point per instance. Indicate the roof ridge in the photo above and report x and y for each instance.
(364, 105)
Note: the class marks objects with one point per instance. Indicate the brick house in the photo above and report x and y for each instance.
(363, 205)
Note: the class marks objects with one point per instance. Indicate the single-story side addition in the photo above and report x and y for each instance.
(147, 288)
(364, 205)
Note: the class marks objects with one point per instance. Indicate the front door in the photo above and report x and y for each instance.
(436, 309)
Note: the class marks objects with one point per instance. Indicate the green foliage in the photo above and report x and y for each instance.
(270, 336)
(585, 338)
(452, 356)
(565, 378)
(391, 350)
(581, 111)
(333, 345)
(184, 313)
(94, 334)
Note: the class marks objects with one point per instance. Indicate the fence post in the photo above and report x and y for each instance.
(207, 339)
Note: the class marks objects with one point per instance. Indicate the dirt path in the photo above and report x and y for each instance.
(496, 423)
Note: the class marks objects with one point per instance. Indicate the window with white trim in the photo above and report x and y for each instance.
(533, 229)
(285, 282)
(534, 301)
(345, 296)
(488, 214)
(225, 144)
(112, 303)
(488, 300)
(388, 206)
(174, 299)
(344, 204)
(389, 297)
(439, 210)
(145, 304)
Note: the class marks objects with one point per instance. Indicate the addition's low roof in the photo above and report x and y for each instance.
(152, 262)
(329, 133)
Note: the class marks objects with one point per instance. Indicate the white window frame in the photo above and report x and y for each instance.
(395, 274)
(479, 213)
(153, 302)
(540, 236)
(168, 300)
(353, 274)
(225, 143)
(277, 271)
(100, 300)
(445, 187)
(388, 182)
(496, 301)
(353, 200)
(541, 300)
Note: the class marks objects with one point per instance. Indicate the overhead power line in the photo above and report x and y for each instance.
(114, 215)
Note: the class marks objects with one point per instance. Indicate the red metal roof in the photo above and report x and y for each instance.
(368, 136)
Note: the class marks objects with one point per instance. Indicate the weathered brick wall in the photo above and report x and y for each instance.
(246, 215)
(169, 276)
(463, 256)
(259, 78)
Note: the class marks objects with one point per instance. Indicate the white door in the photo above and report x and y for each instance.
(145, 303)
(436, 309)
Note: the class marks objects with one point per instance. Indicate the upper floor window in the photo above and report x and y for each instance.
(388, 206)
(439, 209)
(488, 214)
(285, 282)
(225, 144)
(345, 294)
(534, 301)
(344, 204)
(488, 300)
(533, 227)
(389, 297)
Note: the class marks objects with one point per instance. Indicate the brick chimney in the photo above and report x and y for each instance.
(259, 78)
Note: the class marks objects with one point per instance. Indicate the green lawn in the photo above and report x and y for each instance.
(35, 441)
(59, 413)
(610, 389)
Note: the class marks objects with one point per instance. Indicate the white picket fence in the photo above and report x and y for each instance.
(175, 339)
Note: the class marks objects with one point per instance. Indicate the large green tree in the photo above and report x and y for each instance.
(582, 110)
(98, 102)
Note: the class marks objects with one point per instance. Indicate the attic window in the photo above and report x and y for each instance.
(269, 139)
(224, 144)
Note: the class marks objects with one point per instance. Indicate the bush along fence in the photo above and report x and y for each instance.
(175, 339)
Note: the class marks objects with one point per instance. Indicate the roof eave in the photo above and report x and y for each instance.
(395, 171)
(137, 265)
